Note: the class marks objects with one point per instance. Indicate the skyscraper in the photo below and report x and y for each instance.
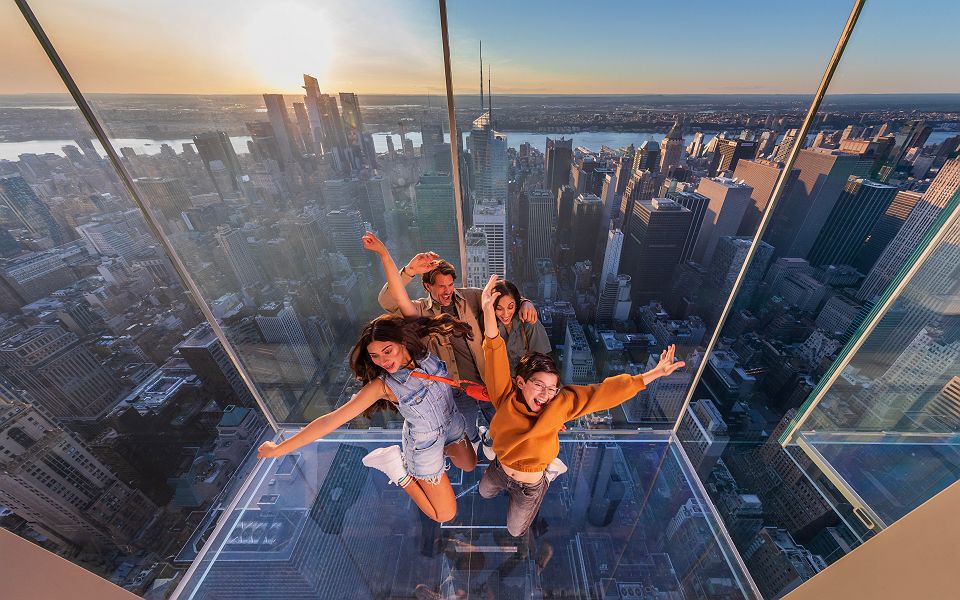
(22, 209)
(801, 214)
(234, 244)
(611, 255)
(672, 149)
(477, 258)
(540, 229)
(941, 190)
(697, 204)
(279, 324)
(360, 147)
(587, 214)
(437, 215)
(646, 157)
(558, 157)
(165, 195)
(782, 152)
(762, 176)
(283, 129)
(653, 245)
(312, 105)
(488, 148)
(728, 203)
(59, 372)
(345, 230)
(303, 127)
(218, 158)
(207, 358)
(492, 219)
(50, 478)
(704, 435)
(730, 152)
(578, 366)
(854, 215)
(566, 196)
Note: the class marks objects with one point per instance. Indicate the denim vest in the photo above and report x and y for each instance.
(426, 406)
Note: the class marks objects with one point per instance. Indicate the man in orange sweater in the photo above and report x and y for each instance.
(531, 409)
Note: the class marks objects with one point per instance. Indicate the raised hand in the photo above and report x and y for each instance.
(422, 263)
(488, 297)
(667, 366)
(374, 244)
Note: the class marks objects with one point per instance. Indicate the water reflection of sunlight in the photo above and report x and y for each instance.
(283, 40)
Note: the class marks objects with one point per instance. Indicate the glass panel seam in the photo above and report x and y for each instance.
(454, 139)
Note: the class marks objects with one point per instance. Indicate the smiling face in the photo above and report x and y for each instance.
(505, 308)
(441, 290)
(539, 389)
(389, 356)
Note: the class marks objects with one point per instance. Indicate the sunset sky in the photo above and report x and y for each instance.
(393, 46)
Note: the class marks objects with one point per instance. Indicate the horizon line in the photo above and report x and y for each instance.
(514, 94)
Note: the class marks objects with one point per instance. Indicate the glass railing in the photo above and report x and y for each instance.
(628, 519)
(265, 195)
(859, 202)
(630, 223)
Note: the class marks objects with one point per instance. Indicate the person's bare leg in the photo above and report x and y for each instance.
(436, 500)
(462, 455)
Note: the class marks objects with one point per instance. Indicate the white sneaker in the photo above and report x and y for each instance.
(388, 460)
(487, 447)
(555, 469)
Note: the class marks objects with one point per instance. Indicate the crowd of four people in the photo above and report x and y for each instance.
(427, 358)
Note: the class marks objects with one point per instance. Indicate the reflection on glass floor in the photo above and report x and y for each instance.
(626, 521)
(890, 473)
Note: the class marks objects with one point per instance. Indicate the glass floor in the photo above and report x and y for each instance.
(628, 520)
(888, 474)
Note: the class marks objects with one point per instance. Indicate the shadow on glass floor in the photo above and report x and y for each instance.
(890, 473)
(626, 521)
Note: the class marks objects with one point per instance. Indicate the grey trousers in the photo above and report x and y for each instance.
(524, 498)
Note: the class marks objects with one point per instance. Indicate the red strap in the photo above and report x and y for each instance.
(446, 380)
(473, 389)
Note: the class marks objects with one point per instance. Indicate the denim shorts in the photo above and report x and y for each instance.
(423, 450)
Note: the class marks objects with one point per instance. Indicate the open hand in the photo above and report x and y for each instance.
(527, 312)
(488, 297)
(374, 244)
(666, 366)
(269, 450)
(422, 263)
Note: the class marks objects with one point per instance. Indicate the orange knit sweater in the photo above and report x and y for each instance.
(528, 441)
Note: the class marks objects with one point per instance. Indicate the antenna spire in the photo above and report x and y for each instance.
(489, 96)
(481, 75)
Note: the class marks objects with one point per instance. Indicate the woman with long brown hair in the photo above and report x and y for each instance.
(390, 358)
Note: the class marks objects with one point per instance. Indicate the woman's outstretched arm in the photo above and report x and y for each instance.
(394, 283)
(321, 426)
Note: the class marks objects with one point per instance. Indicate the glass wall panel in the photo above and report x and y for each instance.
(627, 171)
(873, 172)
(265, 140)
(113, 441)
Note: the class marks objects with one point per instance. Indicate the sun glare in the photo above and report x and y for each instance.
(283, 41)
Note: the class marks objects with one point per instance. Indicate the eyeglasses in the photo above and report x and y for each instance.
(552, 391)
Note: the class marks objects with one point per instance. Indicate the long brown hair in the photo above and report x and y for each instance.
(410, 332)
